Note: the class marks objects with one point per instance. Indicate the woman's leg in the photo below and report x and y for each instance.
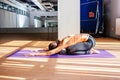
(82, 48)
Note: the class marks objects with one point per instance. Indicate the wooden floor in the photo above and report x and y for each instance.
(58, 68)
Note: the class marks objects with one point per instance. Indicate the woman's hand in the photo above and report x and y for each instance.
(37, 54)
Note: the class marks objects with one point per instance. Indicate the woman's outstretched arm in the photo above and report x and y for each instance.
(51, 52)
(66, 42)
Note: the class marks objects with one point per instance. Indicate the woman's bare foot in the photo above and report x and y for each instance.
(93, 51)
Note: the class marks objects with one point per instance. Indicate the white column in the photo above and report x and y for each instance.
(68, 17)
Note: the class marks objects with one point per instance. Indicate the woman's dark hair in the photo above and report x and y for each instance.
(52, 45)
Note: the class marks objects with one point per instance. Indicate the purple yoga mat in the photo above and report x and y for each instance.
(102, 54)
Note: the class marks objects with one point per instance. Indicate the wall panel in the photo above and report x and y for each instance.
(2, 18)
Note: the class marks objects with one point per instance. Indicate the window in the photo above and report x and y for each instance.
(13, 9)
(5, 7)
(9, 8)
(1, 5)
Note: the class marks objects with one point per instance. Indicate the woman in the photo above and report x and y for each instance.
(75, 44)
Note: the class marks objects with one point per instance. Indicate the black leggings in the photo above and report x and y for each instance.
(82, 47)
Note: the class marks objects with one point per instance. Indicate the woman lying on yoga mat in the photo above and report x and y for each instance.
(74, 44)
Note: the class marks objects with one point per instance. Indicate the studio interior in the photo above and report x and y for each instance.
(59, 39)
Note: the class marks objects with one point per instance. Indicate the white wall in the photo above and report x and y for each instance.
(68, 17)
(37, 23)
(13, 19)
(118, 26)
(22, 21)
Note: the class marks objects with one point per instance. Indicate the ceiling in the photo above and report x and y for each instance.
(52, 2)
